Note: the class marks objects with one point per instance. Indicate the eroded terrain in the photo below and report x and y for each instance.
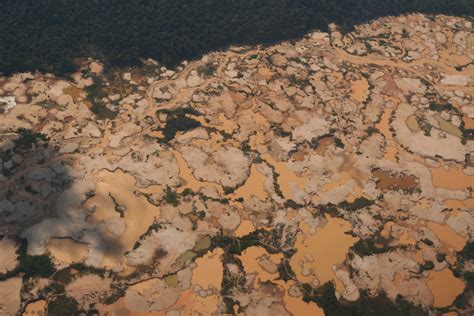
(320, 176)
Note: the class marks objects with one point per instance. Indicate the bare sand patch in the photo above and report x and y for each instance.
(67, 251)
(37, 308)
(10, 296)
(115, 192)
(89, 288)
(8, 256)
(360, 90)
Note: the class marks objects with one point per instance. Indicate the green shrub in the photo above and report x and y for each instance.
(102, 111)
(228, 190)
(427, 265)
(325, 297)
(33, 266)
(62, 306)
(467, 253)
(367, 247)
(207, 70)
(440, 257)
(171, 197)
(177, 121)
(285, 271)
(36, 266)
(359, 203)
(95, 93)
(28, 138)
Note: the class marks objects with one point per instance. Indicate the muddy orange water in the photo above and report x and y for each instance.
(209, 270)
(137, 217)
(447, 235)
(287, 178)
(320, 251)
(297, 307)
(467, 203)
(187, 175)
(227, 125)
(245, 228)
(444, 286)
(360, 90)
(253, 186)
(190, 303)
(250, 259)
(453, 178)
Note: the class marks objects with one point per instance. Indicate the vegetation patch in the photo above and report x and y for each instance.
(182, 29)
(368, 247)
(171, 197)
(95, 94)
(30, 266)
(335, 210)
(28, 138)
(359, 203)
(427, 265)
(272, 241)
(325, 297)
(285, 272)
(177, 121)
(207, 70)
(63, 305)
(467, 253)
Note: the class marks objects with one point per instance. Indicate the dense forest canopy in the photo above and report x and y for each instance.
(47, 35)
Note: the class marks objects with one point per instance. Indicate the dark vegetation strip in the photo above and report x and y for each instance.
(366, 305)
(47, 35)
